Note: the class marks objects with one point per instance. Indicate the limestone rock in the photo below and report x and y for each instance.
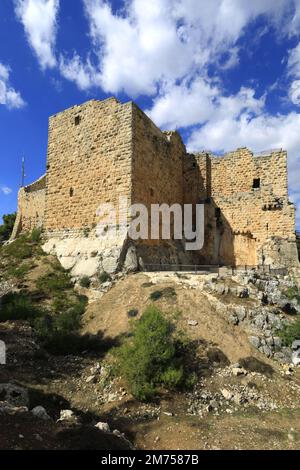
(40, 413)
(103, 427)
(131, 263)
(255, 341)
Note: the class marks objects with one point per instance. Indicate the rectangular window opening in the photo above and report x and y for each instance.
(256, 183)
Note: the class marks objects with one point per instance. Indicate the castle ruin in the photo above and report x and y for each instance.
(103, 150)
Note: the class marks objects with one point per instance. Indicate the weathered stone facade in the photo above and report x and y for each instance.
(104, 150)
(31, 207)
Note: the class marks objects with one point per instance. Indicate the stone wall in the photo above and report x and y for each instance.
(88, 164)
(31, 207)
(248, 206)
(157, 178)
(157, 164)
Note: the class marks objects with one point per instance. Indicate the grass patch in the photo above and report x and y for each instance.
(152, 357)
(104, 277)
(18, 307)
(19, 271)
(290, 332)
(54, 282)
(293, 294)
(19, 249)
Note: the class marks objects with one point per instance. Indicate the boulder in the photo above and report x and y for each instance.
(67, 416)
(296, 357)
(103, 427)
(255, 341)
(131, 263)
(296, 345)
(40, 413)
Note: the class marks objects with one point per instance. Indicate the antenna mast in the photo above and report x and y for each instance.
(23, 172)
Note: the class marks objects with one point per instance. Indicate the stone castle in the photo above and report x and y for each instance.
(102, 150)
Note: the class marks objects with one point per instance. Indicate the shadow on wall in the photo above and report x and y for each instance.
(222, 246)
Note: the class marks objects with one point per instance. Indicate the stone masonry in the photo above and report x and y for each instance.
(103, 150)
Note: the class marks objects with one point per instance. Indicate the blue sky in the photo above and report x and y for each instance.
(226, 73)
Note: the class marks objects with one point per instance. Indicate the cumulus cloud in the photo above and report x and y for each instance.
(5, 190)
(83, 74)
(294, 92)
(8, 95)
(39, 18)
(258, 132)
(201, 102)
(149, 43)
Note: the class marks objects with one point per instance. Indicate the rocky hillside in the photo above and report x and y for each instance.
(60, 387)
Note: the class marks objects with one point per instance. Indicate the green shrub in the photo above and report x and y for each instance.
(104, 277)
(149, 358)
(133, 313)
(156, 295)
(167, 293)
(290, 332)
(293, 294)
(59, 343)
(36, 235)
(85, 282)
(54, 282)
(68, 321)
(18, 307)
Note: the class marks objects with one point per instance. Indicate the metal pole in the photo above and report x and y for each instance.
(23, 173)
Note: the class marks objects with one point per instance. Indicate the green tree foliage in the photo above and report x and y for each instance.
(7, 227)
(151, 358)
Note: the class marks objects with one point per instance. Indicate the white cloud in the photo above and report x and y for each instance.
(294, 92)
(8, 95)
(188, 104)
(259, 132)
(5, 190)
(149, 43)
(84, 75)
(39, 18)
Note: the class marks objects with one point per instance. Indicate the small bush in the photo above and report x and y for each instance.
(68, 321)
(36, 235)
(293, 294)
(149, 358)
(73, 343)
(104, 277)
(290, 332)
(18, 307)
(167, 293)
(59, 332)
(133, 313)
(85, 282)
(156, 295)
